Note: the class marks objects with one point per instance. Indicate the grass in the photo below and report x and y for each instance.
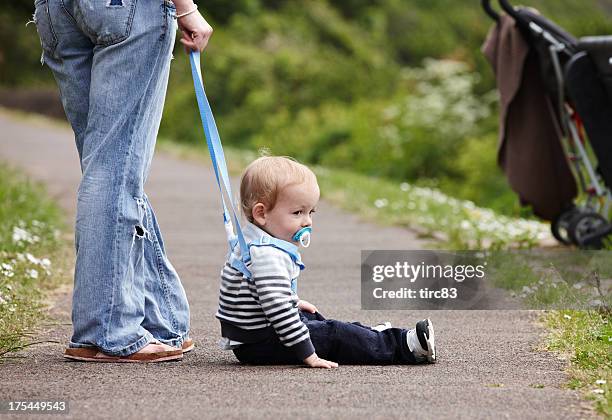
(554, 279)
(32, 257)
(585, 338)
(457, 224)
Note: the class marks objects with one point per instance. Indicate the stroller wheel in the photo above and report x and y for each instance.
(587, 230)
(560, 225)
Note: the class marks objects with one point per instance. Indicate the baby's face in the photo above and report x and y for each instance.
(293, 210)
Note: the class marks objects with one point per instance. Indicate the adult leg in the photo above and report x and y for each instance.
(68, 52)
(166, 313)
(166, 306)
(129, 69)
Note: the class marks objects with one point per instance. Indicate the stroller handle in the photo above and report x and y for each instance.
(486, 5)
(505, 4)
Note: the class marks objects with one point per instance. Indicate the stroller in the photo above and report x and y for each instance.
(577, 78)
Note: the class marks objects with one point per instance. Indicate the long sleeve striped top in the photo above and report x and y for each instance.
(251, 310)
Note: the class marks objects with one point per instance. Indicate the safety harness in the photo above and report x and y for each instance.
(233, 230)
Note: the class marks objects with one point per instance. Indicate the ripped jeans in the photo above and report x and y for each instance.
(111, 61)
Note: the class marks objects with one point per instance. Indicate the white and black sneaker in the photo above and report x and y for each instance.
(421, 341)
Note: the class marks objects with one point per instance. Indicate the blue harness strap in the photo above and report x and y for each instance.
(218, 160)
(289, 248)
(223, 182)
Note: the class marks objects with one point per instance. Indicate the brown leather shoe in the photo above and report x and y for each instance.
(151, 353)
(188, 345)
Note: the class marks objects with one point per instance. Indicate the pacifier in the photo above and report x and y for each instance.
(303, 236)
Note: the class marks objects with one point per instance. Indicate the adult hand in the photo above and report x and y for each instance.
(315, 361)
(195, 31)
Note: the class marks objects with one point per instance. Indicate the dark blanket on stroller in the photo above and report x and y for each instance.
(530, 151)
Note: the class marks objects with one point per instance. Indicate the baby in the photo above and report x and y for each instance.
(262, 319)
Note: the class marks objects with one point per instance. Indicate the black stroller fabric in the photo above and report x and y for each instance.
(590, 98)
(599, 49)
(541, 45)
(530, 151)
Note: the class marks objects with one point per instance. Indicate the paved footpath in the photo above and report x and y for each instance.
(488, 366)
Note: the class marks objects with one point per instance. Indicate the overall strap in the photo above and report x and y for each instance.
(218, 160)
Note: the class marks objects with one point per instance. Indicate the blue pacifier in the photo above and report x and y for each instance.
(303, 236)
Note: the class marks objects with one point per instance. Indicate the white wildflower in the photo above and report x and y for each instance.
(566, 316)
(32, 273)
(381, 202)
(600, 382)
(404, 186)
(598, 391)
(21, 235)
(6, 270)
(32, 258)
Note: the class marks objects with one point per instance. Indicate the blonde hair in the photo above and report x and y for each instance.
(264, 179)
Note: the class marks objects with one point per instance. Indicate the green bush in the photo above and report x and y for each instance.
(479, 177)
(346, 84)
(417, 133)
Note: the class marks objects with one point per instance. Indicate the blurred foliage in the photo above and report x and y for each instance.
(391, 88)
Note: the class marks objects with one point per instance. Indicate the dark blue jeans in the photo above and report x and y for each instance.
(343, 342)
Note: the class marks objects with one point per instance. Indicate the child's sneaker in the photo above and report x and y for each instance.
(421, 341)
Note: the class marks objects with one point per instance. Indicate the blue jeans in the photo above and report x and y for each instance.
(111, 61)
(348, 343)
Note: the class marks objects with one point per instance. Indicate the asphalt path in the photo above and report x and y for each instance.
(489, 364)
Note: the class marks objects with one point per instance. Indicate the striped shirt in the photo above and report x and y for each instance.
(251, 310)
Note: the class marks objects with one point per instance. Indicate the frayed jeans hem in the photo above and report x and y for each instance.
(125, 351)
